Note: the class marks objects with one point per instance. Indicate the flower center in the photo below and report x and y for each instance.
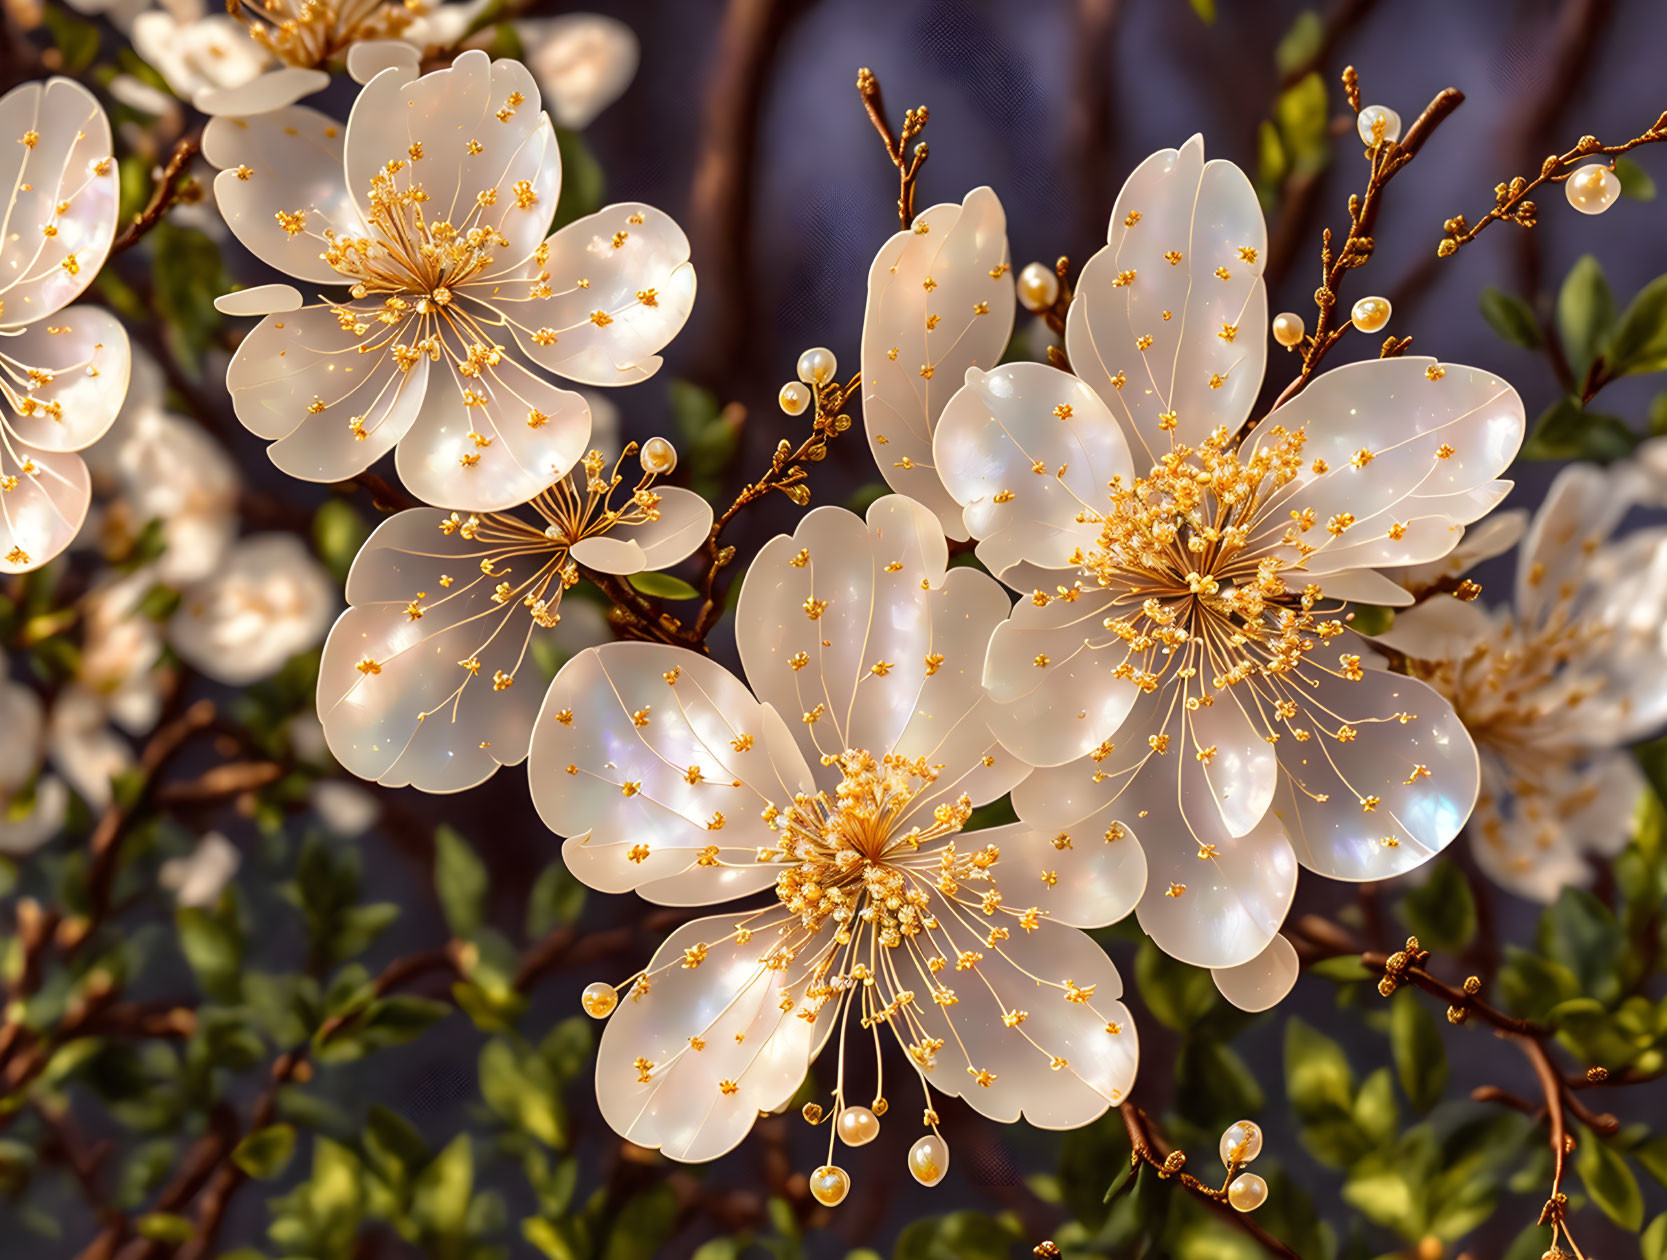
(406, 255)
(307, 32)
(1186, 551)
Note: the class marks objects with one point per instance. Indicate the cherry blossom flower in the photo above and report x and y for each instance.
(201, 876)
(32, 804)
(1181, 659)
(266, 600)
(1555, 686)
(63, 372)
(432, 208)
(583, 63)
(839, 787)
(425, 676)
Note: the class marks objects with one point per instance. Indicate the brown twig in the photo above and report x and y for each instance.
(169, 186)
(897, 146)
(1149, 1148)
(1388, 158)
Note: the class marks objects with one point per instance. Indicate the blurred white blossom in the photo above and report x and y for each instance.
(200, 877)
(267, 600)
(583, 63)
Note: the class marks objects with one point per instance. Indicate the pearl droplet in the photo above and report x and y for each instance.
(817, 367)
(1593, 188)
(1240, 1143)
(1370, 314)
(929, 1159)
(1288, 329)
(599, 1000)
(830, 1185)
(1366, 123)
(1038, 287)
(858, 1126)
(658, 456)
(794, 398)
(1248, 1192)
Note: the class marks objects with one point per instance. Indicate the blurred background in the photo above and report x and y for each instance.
(743, 122)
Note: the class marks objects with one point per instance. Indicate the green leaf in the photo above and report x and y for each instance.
(165, 1227)
(441, 1194)
(522, 1091)
(1653, 1244)
(1530, 985)
(188, 275)
(1610, 1182)
(1639, 340)
(662, 586)
(1583, 934)
(1441, 912)
(1375, 1111)
(1344, 969)
(1300, 43)
(582, 181)
(1653, 1156)
(1213, 1085)
(77, 40)
(213, 946)
(1420, 1056)
(1511, 317)
(643, 1226)
(556, 1239)
(1565, 430)
(957, 1236)
(1635, 180)
(1318, 1079)
(1300, 112)
(1585, 313)
(557, 899)
(265, 1153)
(1205, 9)
(460, 880)
(338, 533)
(1176, 994)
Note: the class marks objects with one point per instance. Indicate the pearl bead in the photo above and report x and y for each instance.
(817, 367)
(658, 456)
(1038, 287)
(1370, 314)
(599, 1000)
(794, 398)
(1593, 188)
(1240, 1143)
(1248, 1192)
(858, 1126)
(1288, 329)
(1367, 121)
(830, 1185)
(929, 1159)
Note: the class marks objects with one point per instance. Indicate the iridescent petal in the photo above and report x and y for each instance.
(1263, 982)
(77, 366)
(42, 510)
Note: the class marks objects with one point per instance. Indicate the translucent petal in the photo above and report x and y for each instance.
(582, 61)
(1438, 628)
(834, 626)
(1385, 798)
(370, 57)
(684, 522)
(272, 90)
(42, 513)
(1029, 451)
(289, 162)
(1263, 982)
(622, 288)
(1049, 671)
(1580, 511)
(262, 299)
(1082, 868)
(660, 754)
(419, 714)
(1063, 1061)
(78, 366)
(299, 379)
(57, 153)
(1182, 267)
(940, 301)
(489, 442)
(698, 1103)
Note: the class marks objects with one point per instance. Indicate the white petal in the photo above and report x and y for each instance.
(1031, 972)
(685, 522)
(299, 378)
(622, 288)
(582, 61)
(610, 555)
(83, 361)
(1081, 867)
(656, 743)
(519, 440)
(420, 715)
(43, 514)
(1027, 450)
(272, 90)
(369, 58)
(1438, 628)
(940, 301)
(734, 1007)
(287, 161)
(1580, 511)
(1362, 586)
(20, 837)
(262, 299)
(1263, 982)
(1389, 797)
(22, 725)
(69, 163)
(1191, 220)
(267, 601)
(1049, 671)
(836, 622)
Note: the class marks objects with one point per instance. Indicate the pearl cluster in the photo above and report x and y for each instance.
(816, 368)
(1240, 1144)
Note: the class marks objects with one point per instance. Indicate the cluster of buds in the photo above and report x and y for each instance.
(1395, 967)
